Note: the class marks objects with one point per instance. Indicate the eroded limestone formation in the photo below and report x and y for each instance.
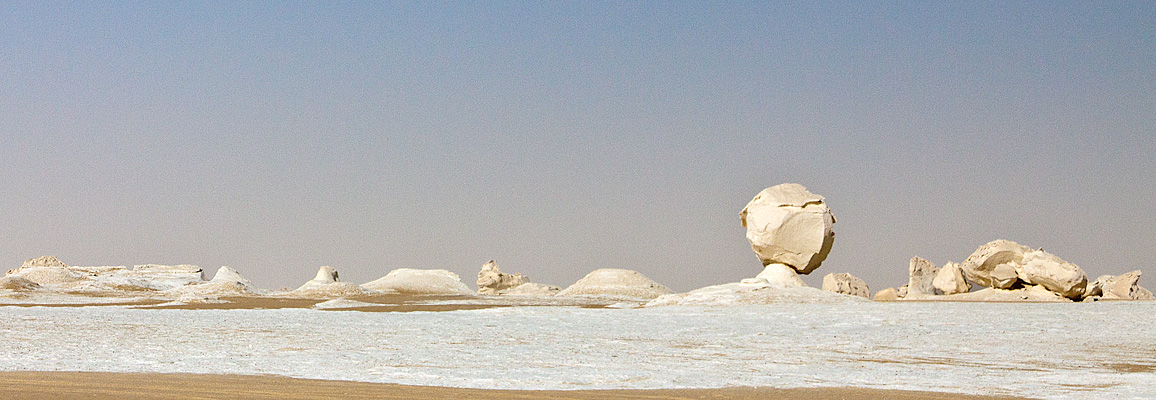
(492, 281)
(419, 282)
(616, 282)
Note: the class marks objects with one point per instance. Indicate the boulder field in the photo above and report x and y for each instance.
(1009, 271)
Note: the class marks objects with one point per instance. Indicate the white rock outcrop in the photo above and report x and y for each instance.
(44, 261)
(1047, 270)
(781, 276)
(846, 283)
(616, 283)
(326, 285)
(921, 278)
(1124, 287)
(788, 225)
(751, 291)
(492, 281)
(325, 275)
(977, 268)
(950, 280)
(419, 282)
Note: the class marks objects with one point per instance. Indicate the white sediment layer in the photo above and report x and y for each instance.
(1081, 350)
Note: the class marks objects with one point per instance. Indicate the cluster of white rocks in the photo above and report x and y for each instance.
(789, 229)
(1009, 271)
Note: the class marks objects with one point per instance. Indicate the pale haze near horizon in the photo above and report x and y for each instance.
(558, 138)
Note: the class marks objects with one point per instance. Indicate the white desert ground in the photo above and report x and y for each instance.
(1007, 321)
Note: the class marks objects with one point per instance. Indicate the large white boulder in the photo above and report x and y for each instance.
(781, 276)
(616, 283)
(950, 280)
(419, 282)
(1049, 271)
(846, 283)
(788, 225)
(921, 277)
(491, 280)
(977, 267)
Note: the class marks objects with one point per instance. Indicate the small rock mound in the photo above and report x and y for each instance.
(616, 282)
(846, 283)
(419, 282)
(326, 285)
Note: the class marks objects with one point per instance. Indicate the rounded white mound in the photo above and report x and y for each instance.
(616, 282)
(419, 282)
(752, 292)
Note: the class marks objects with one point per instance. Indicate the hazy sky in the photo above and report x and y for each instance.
(558, 138)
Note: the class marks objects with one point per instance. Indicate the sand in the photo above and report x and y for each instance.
(110, 386)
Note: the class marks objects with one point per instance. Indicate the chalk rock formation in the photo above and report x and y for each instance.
(1123, 287)
(750, 291)
(326, 285)
(950, 280)
(889, 294)
(977, 267)
(846, 283)
(781, 276)
(1004, 276)
(788, 225)
(17, 283)
(325, 275)
(226, 282)
(419, 282)
(921, 278)
(1049, 271)
(901, 291)
(491, 280)
(47, 275)
(616, 282)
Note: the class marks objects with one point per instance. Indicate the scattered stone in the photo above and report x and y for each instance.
(921, 278)
(749, 292)
(616, 282)
(532, 289)
(950, 280)
(788, 225)
(1047, 270)
(901, 291)
(977, 268)
(846, 283)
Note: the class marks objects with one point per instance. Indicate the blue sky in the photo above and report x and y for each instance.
(558, 138)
